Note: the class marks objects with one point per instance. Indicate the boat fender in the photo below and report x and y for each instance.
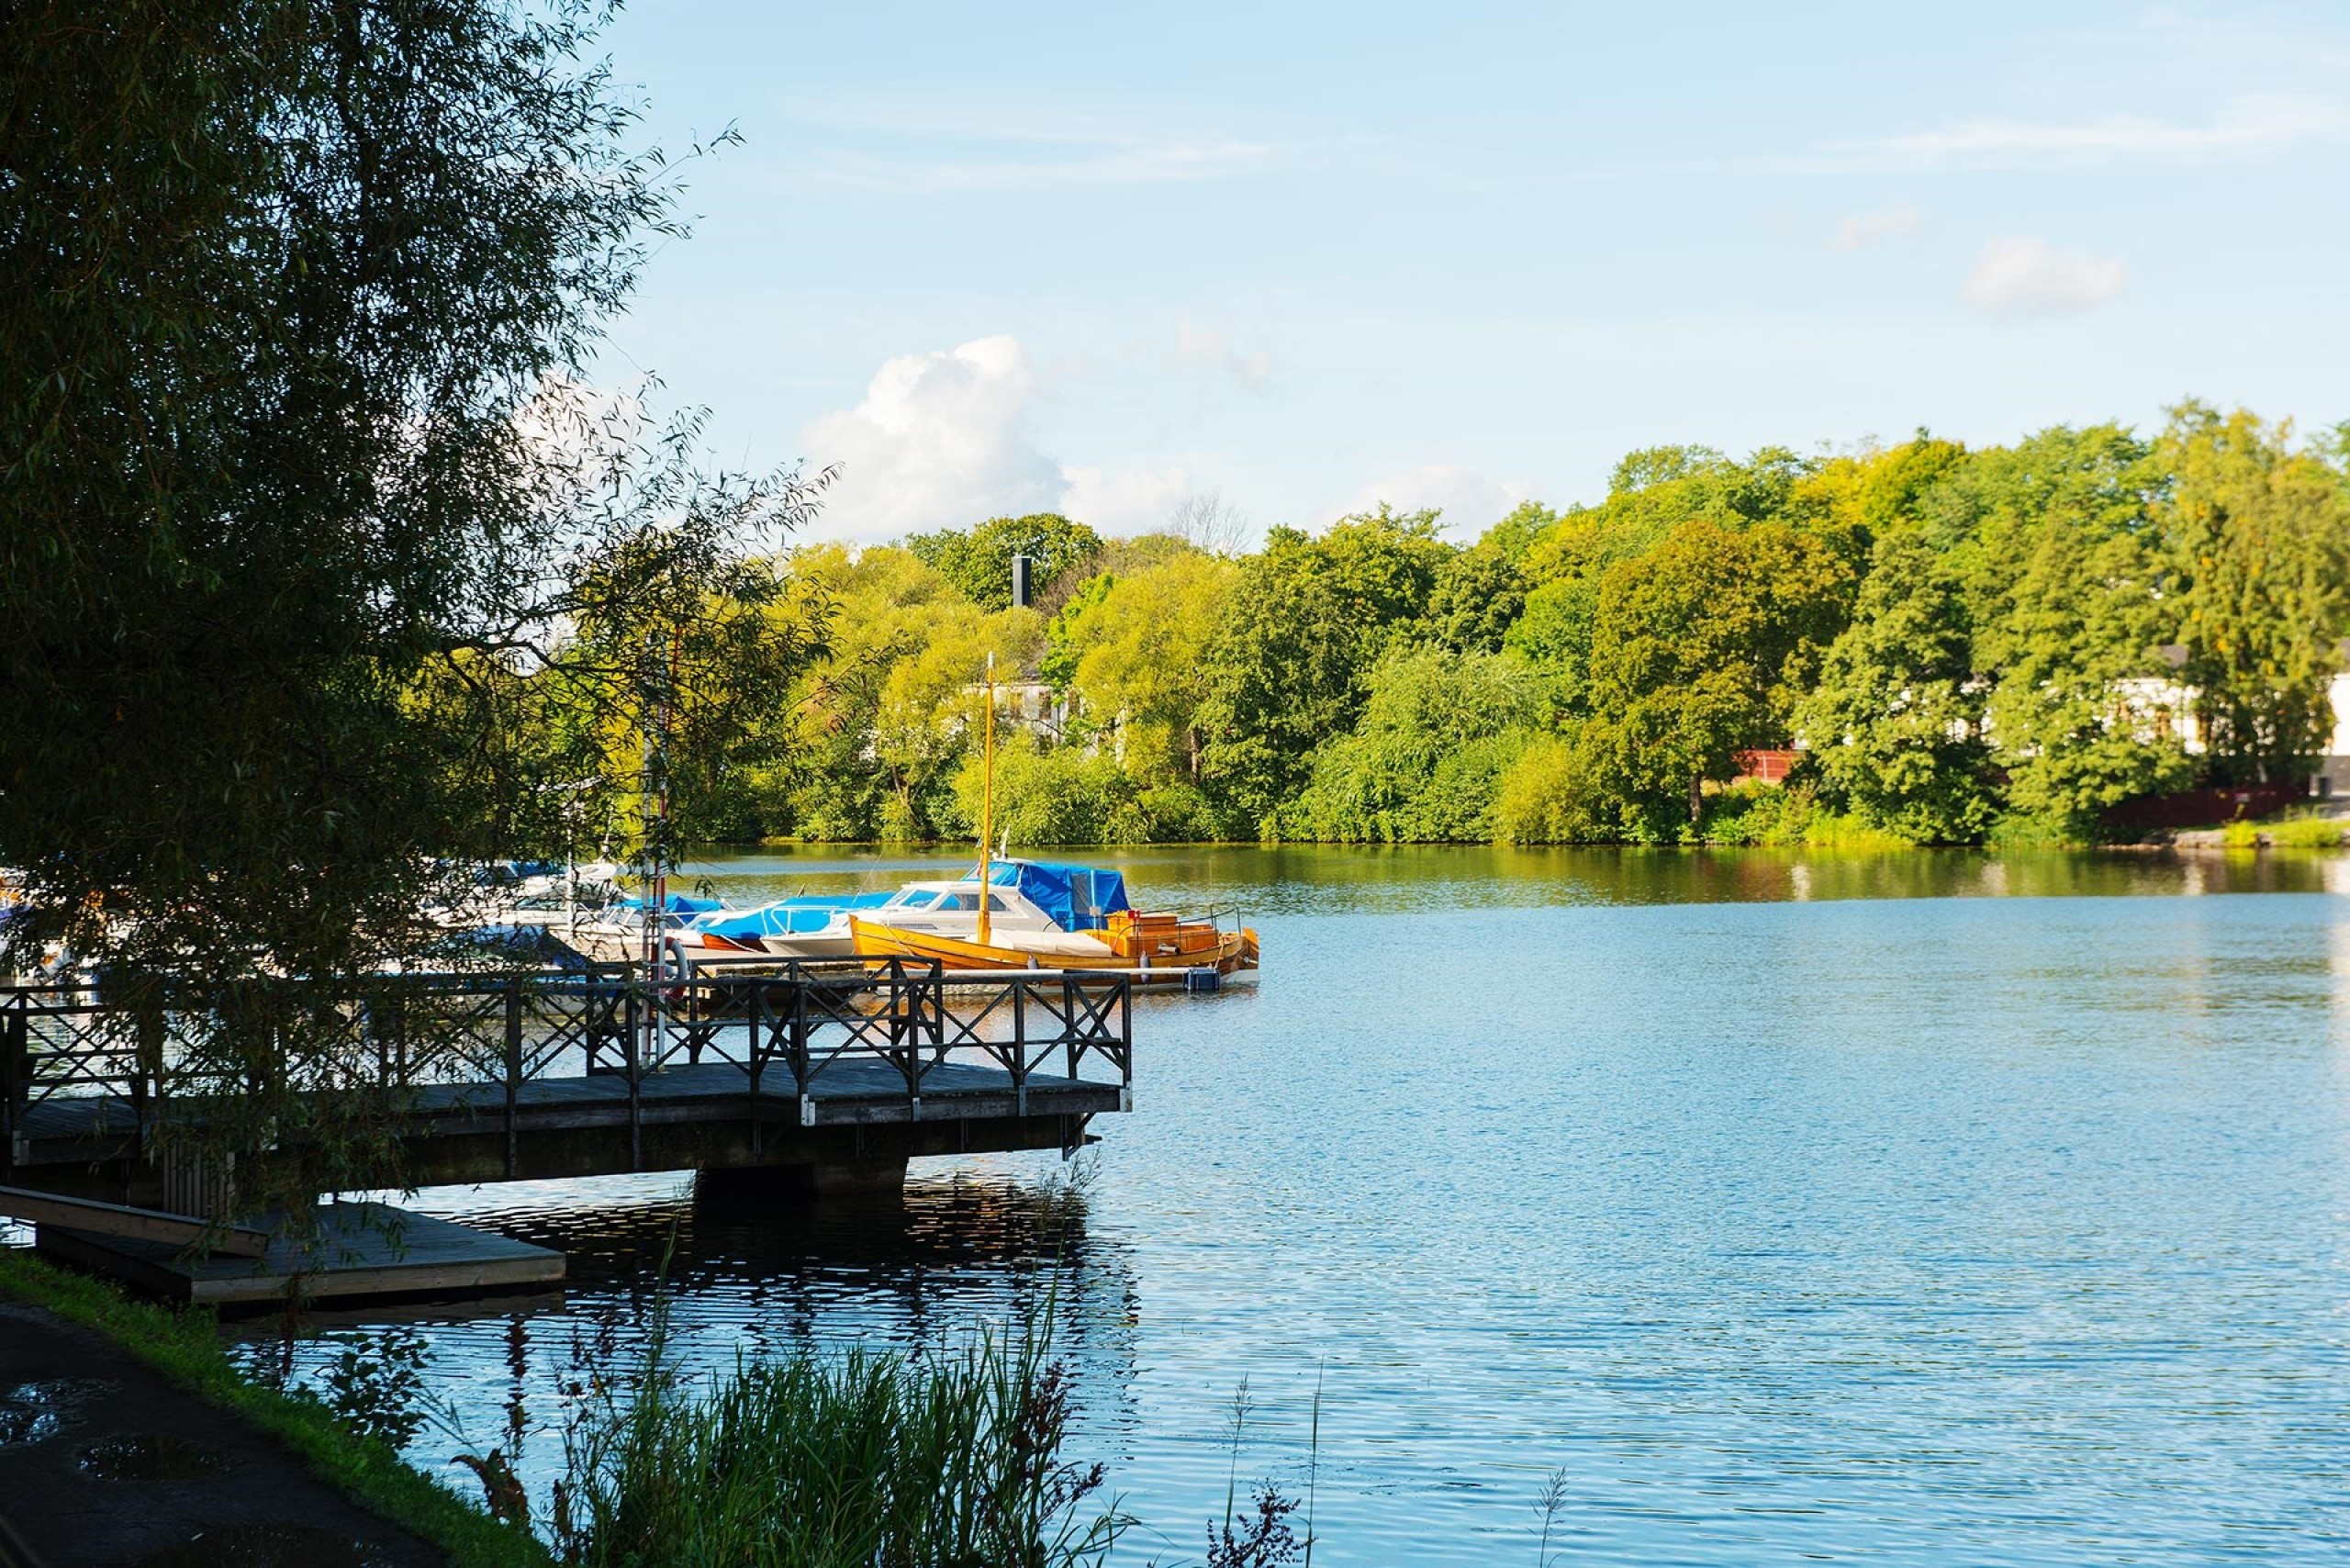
(671, 969)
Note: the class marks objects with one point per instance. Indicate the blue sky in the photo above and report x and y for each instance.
(1103, 258)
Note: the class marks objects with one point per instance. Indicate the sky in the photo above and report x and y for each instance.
(1301, 259)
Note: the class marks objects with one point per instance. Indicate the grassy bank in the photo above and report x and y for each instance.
(184, 1348)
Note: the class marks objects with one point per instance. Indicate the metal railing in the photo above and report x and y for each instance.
(807, 1022)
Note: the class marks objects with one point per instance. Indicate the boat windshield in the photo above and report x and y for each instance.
(971, 901)
(913, 899)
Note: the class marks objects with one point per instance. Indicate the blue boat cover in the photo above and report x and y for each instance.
(1079, 898)
(797, 916)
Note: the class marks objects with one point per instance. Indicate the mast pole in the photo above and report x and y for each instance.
(987, 800)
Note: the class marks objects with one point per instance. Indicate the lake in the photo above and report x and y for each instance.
(1929, 1208)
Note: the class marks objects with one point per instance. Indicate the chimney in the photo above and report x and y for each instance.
(1020, 592)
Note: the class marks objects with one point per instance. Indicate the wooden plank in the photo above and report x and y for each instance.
(139, 1225)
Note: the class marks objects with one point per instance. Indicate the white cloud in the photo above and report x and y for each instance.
(1133, 500)
(942, 440)
(1865, 229)
(1198, 345)
(1470, 501)
(2250, 124)
(2020, 275)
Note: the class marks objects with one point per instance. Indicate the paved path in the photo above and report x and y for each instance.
(73, 1404)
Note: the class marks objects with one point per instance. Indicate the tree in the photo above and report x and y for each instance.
(1895, 725)
(979, 563)
(1479, 595)
(1302, 627)
(1701, 649)
(2055, 540)
(1136, 661)
(301, 489)
(1439, 730)
(2257, 540)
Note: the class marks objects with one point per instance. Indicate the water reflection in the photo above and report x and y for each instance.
(1310, 879)
(746, 1275)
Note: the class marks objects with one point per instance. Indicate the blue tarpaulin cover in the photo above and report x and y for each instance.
(1079, 898)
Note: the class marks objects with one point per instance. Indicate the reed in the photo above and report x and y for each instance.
(944, 1460)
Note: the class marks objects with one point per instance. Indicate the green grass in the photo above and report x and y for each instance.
(184, 1348)
(947, 1459)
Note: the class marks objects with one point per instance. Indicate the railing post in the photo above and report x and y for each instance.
(1020, 1044)
(634, 1062)
(798, 1044)
(753, 1061)
(1127, 1031)
(513, 1071)
(15, 1077)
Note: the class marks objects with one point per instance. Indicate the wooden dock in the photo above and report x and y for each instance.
(364, 1250)
(831, 1076)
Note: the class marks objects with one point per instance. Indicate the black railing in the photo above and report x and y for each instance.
(493, 1034)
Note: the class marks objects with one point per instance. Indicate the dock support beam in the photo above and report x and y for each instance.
(875, 1178)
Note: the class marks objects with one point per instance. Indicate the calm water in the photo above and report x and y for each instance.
(1930, 1209)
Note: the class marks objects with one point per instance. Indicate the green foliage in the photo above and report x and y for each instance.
(2258, 543)
(2057, 539)
(1301, 628)
(1552, 795)
(322, 573)
(1439, 731)
(1896, 724)
(979, 563)
(1479, 596)
(1970, 645)
(1700, 649)
(813, 1460)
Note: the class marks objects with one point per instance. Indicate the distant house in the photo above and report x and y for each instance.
(1766, 765)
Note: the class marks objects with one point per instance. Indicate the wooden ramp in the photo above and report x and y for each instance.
(365, 1250)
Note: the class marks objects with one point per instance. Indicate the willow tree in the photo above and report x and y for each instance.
(301, 496)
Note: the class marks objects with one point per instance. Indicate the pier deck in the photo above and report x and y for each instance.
(838, 1073)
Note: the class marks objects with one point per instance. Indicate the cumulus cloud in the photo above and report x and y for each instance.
(1469, 500)
(942, 440)
(1205, 346)
(2020, 275)
(938, 439)
(1863, 229)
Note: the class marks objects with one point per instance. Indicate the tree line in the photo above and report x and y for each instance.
(2001, 643)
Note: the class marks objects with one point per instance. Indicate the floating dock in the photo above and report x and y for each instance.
(362, 1249)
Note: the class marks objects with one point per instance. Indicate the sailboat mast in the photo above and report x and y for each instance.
(987, 799)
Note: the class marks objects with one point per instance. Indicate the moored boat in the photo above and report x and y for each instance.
(1044, 915)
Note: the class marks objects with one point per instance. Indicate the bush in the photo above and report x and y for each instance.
(1550, 796)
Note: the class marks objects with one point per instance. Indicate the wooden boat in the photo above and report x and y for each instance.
(1127, 942)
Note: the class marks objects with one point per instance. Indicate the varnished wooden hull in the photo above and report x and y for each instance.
(1231, 950)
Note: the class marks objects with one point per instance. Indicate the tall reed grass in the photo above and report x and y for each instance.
(865, 1457)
